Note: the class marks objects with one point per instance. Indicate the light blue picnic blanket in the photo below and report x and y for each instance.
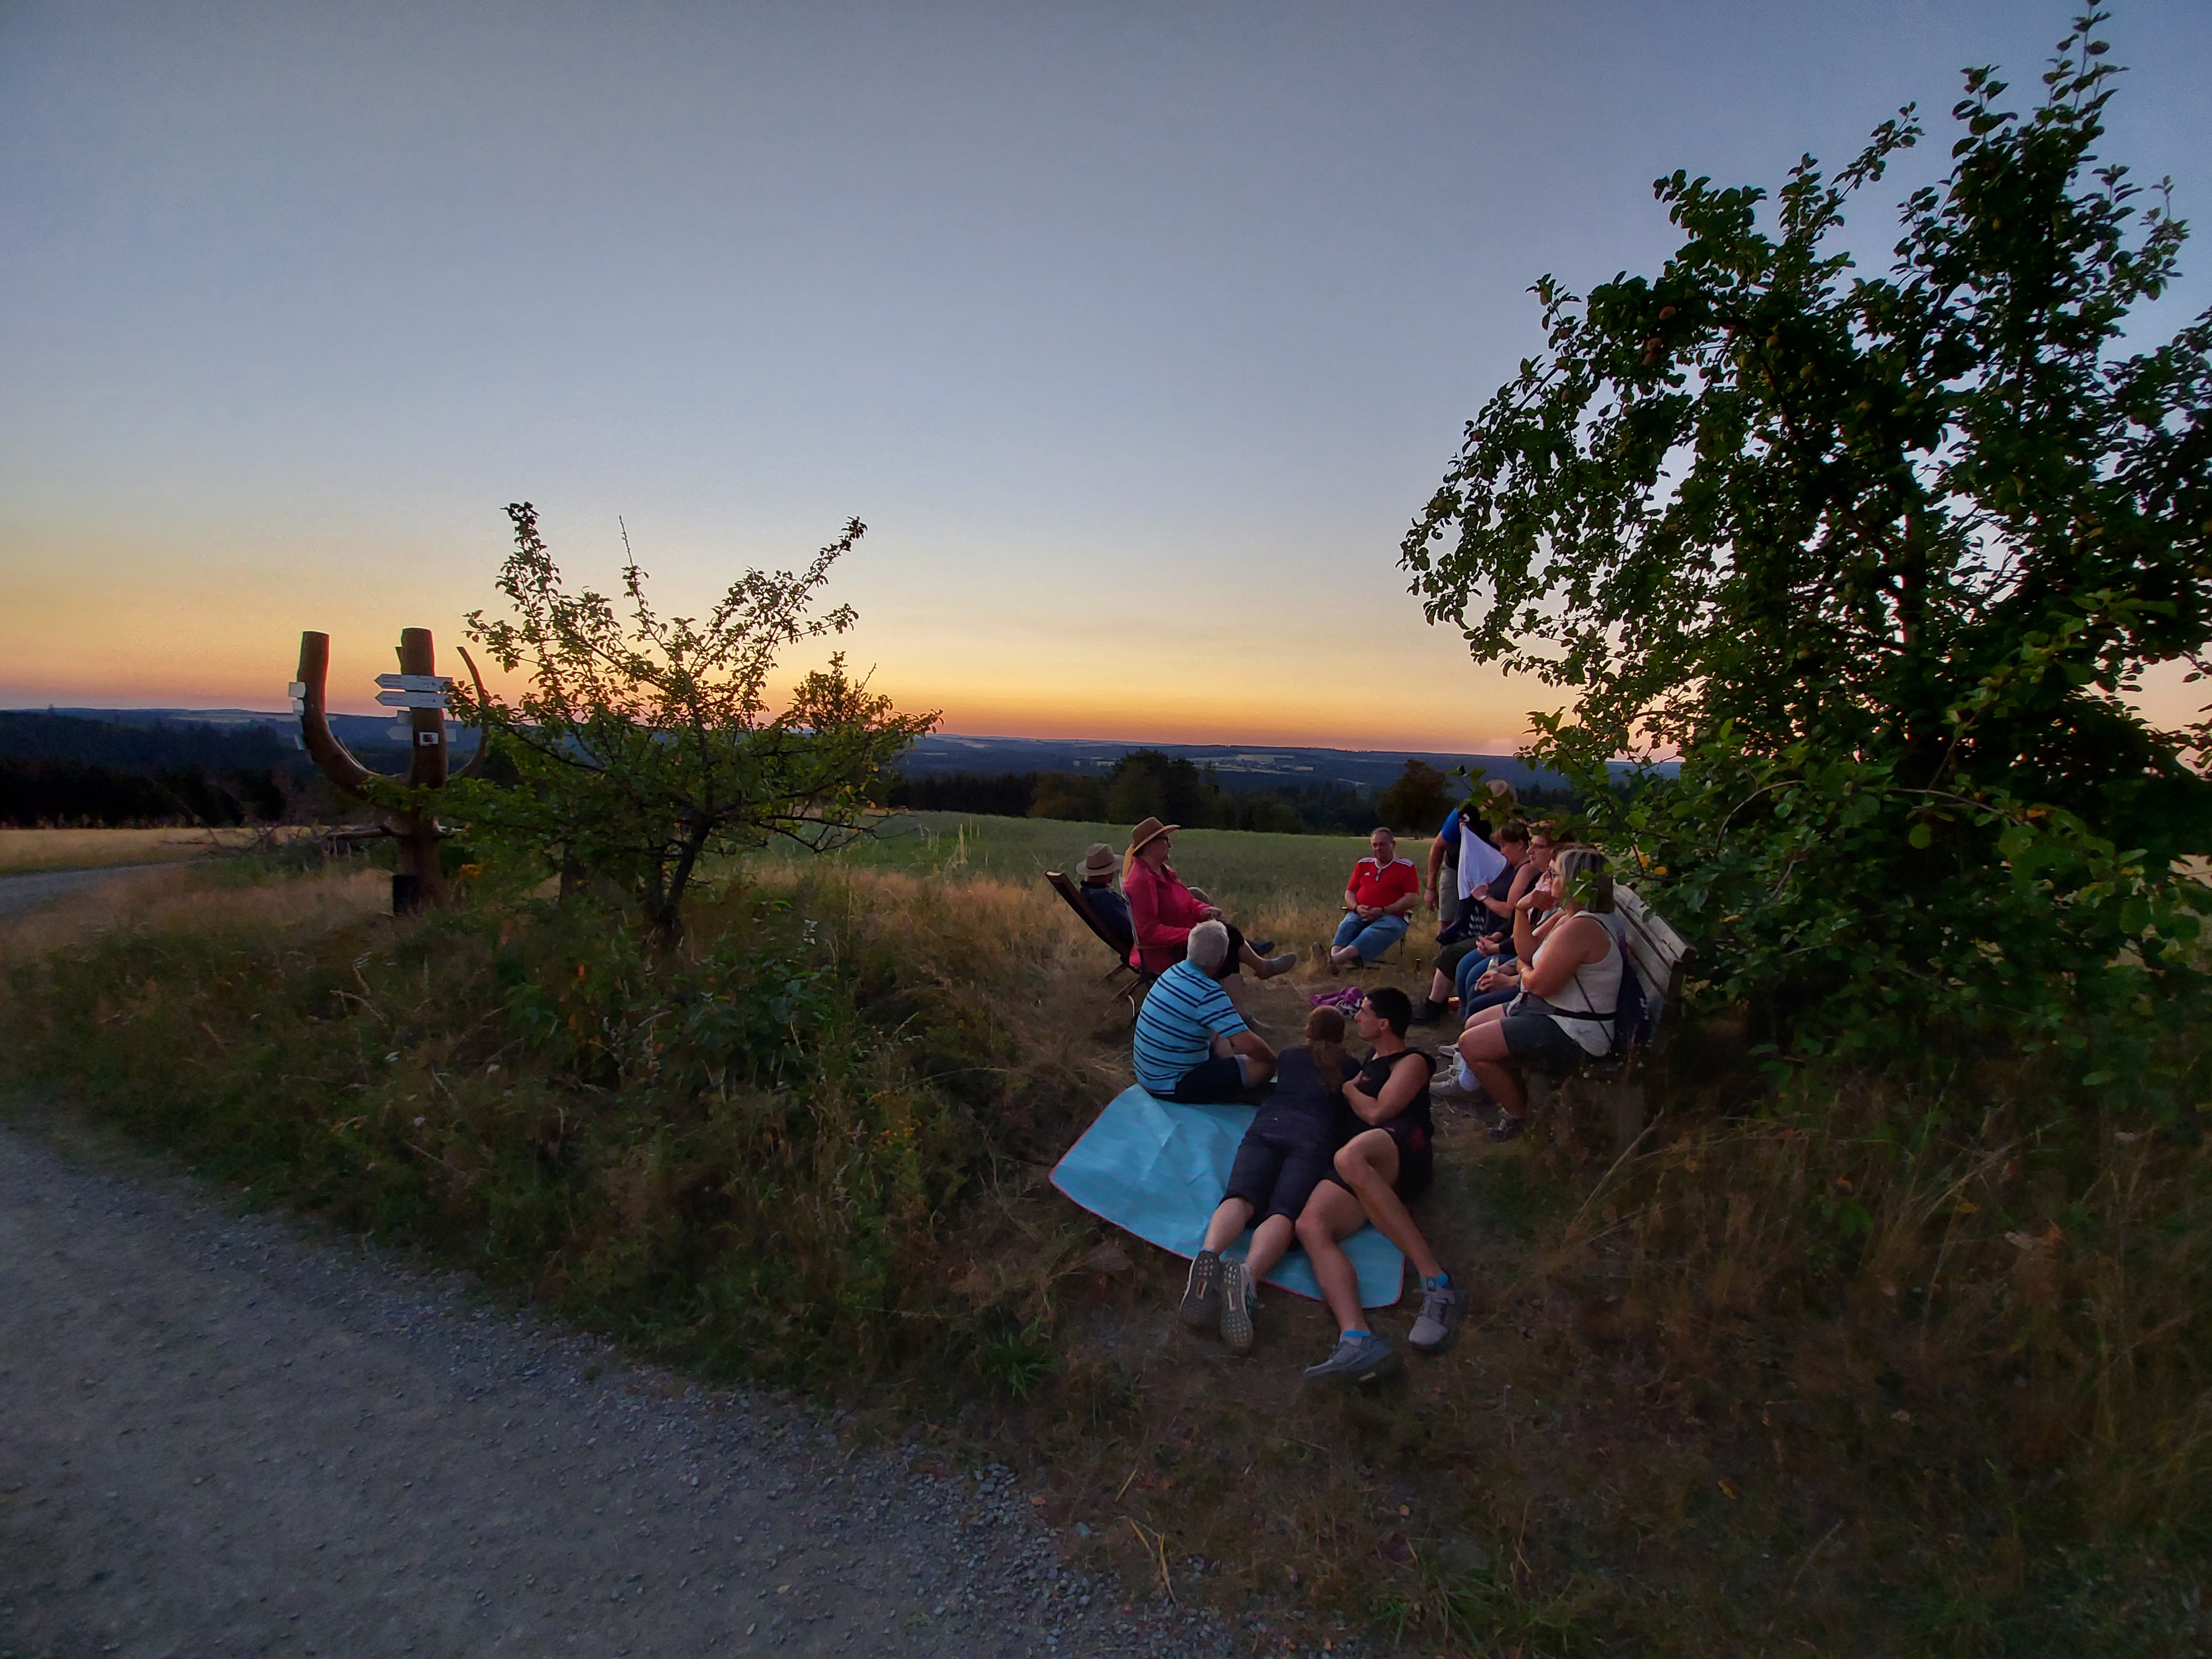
(1158, 1169)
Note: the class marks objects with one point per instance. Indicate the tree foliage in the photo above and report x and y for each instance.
(645, 744)
(1881, 557)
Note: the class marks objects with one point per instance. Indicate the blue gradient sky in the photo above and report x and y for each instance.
(1137, 332)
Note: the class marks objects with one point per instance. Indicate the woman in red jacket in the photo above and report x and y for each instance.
(1164, 911)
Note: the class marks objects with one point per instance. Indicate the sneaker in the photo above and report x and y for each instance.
(1359, 1358)
(1440, 1306)
(1236, 1301)
(1262, 946)
(1426, 1013)
(1281, 964)
(1506, 1128)
(1202, 1291)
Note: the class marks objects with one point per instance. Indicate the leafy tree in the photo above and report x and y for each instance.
(1881, 557)
(1417, 800)
(1146, 783)
(645, 744)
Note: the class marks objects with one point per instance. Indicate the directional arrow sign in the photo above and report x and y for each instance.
(415, 682)
(411, 699)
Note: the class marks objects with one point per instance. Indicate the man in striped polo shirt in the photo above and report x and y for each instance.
(1192, 1044)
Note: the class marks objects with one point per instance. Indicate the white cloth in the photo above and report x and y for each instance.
(1479, 861)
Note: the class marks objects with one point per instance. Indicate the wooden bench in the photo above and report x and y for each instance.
(1139, 981)
(1655, 953)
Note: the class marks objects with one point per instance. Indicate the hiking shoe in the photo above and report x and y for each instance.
(1441, 1307)
(1237, 1308)
(1281, 964)
(1202, 1291)
(1359, 1358)
(1426, 1013)
(1261, 946)
(1506, 1128)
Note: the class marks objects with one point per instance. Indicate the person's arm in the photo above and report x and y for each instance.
(1143, 892)
(1552, 968)
(1251, 1042)
(1408, 1073)
(1403, 905)
(1430, 889)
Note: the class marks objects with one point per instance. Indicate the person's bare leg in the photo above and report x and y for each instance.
(1271, 1241)
(1370, 1162)
(1332, 1214)
(1482, 1046)
(1229, 1223)
(1440, 987)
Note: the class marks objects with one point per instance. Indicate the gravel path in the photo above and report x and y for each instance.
(25, 892)
(219, 1436)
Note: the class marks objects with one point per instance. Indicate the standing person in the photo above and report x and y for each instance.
(1570, 986)
(1377, 899)
(1390, 1162)
(1442, 891)
(1163, 911)
(1481, 936)
(1192, 1045)
(1097, 871)
(1288, 1152)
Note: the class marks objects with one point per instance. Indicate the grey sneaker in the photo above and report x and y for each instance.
(1440, 1306)
(1281, 964)
(1237, 1300)
(1202, 1291)
(1360, 1358)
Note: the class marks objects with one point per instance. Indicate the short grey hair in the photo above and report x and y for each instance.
(1209, 945)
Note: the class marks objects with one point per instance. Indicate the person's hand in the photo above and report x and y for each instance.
(1488, 979)
(1212, 913)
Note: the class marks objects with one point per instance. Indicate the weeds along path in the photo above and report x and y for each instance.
(224, 1438)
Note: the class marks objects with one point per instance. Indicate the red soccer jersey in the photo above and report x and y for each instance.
(1383, 885)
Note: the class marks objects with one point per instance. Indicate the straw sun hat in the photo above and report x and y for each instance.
(1101, 861)
(1150, 830)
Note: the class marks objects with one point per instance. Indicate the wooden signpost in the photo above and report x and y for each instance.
(419, 690)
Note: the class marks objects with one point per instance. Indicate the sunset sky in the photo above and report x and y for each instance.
(1137, 333)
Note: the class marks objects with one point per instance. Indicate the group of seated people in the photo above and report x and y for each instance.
(1528, 945)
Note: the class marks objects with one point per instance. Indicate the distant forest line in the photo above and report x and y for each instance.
(71, 770)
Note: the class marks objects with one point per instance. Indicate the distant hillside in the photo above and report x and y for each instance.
(364, 734)
(1238, 770)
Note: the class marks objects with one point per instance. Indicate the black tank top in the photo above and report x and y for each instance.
(1418, 1116)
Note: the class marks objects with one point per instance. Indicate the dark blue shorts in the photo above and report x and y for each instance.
(1276, 1177)
(1212, 1080)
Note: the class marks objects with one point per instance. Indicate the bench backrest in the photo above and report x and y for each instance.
(1652, 968)
(1068, 889)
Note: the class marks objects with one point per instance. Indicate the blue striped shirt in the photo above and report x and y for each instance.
(1182, 1012)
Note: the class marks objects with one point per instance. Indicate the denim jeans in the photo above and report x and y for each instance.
(1472, 967)
(1370, 939)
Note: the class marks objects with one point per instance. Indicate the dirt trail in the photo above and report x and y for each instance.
(219, 1437)
(26, 892)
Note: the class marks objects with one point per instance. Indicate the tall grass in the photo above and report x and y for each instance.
(1894, 1364)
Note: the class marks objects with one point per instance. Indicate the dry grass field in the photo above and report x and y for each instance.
(1878, 1364)
(23, 852)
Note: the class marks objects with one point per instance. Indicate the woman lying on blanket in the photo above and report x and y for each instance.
(1569, 986)
(1311, 1155)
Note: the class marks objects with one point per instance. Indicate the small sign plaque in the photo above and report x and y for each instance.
(411, 699)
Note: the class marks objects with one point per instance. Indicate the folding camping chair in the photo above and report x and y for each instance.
(1139, 981)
